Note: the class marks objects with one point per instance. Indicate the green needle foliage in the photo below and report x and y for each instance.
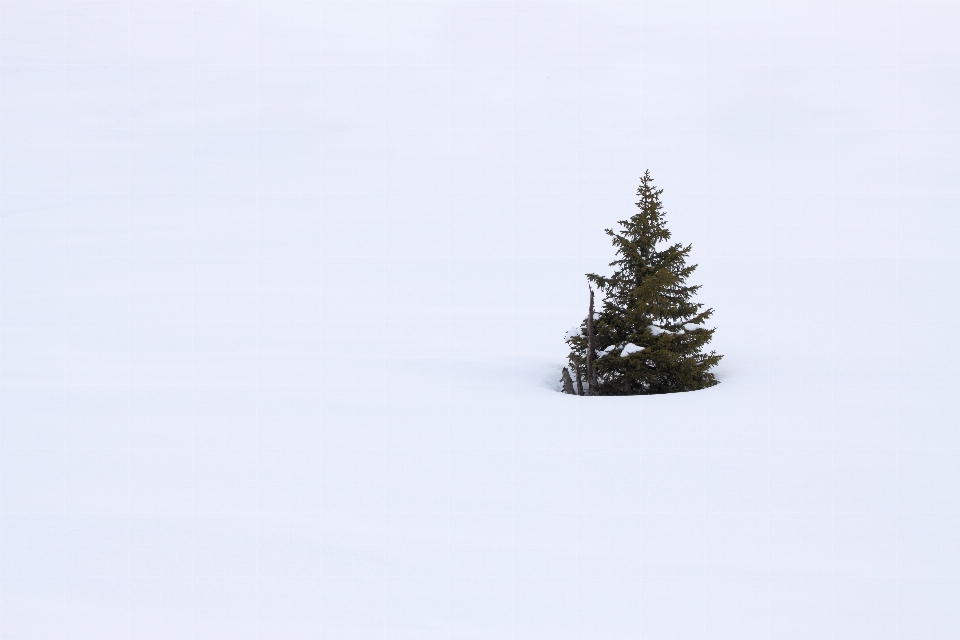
(649, 335)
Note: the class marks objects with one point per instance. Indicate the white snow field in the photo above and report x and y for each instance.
(284, 291)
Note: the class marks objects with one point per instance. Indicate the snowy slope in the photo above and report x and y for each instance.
(283, 290)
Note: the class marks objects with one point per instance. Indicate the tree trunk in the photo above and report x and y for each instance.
(567, 382)
(576, 368)
(591, 350)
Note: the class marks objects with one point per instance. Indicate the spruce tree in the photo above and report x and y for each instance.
(649, 336)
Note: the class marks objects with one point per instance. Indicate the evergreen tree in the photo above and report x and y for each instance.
(649, 335)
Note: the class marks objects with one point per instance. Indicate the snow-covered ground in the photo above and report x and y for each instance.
(283, 291)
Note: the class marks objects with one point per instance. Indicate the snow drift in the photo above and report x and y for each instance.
(283, 289)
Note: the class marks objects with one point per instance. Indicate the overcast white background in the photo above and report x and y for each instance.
(283, 290)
